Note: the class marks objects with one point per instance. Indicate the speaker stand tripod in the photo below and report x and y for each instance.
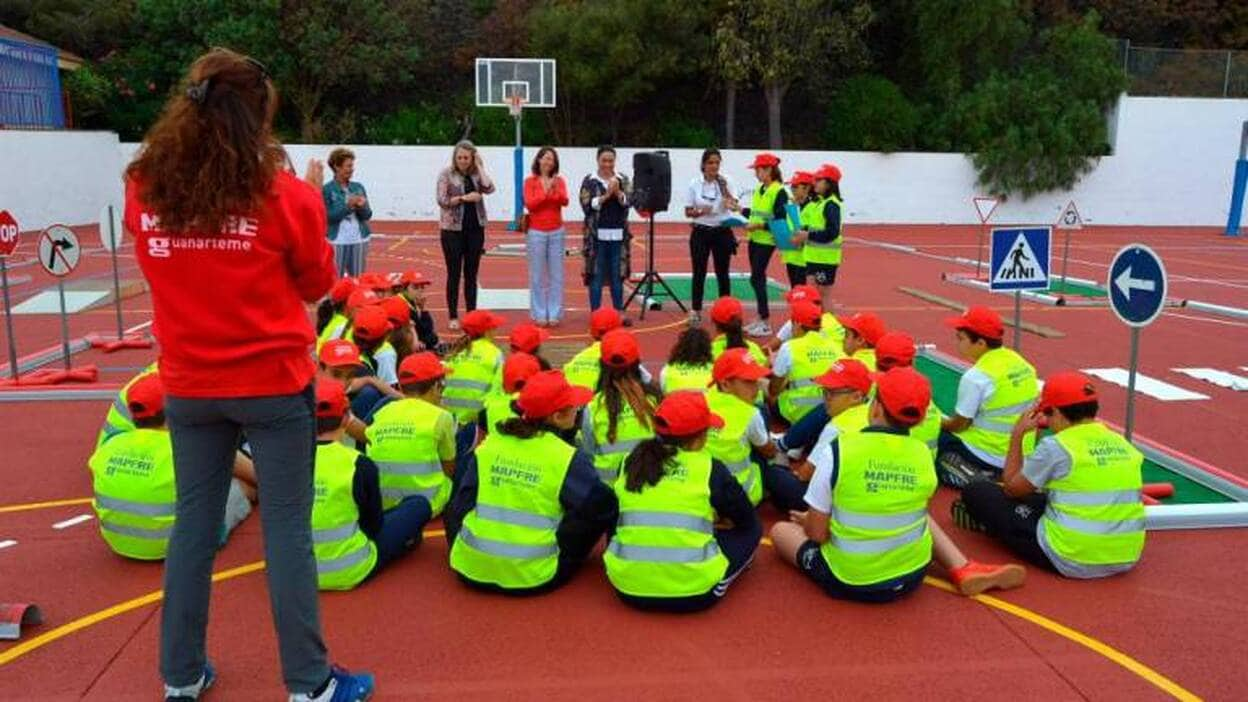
(651, 277)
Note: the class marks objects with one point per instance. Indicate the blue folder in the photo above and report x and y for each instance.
(782, 229)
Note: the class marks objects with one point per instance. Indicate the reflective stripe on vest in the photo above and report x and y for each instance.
(663, 554)
(353, 559)
(405, 441)
(618, 447)
(826, 252)
(136, 532)
(1092, 526)
(762, 206)
(812, 354)
(1095, 499)
(473, 372)
(861, 546)
(470, 384)
(142, 509)
(506, 515)
(134, 492)
(730, 445)
(403, 468)
(876, 521)
(344, 554)
(397, 495)
(609, 456)
(669, 520)
(503, 549)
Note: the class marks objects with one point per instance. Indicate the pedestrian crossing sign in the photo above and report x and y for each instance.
(1020, 258)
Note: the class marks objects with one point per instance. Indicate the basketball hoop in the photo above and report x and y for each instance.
(515, 105)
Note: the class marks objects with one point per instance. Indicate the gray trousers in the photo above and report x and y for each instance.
(352, 259)
(282, 434)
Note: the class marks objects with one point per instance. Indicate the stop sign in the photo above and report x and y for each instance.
(8, 233)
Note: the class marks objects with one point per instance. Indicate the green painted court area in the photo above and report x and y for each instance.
(1070, 287)
(945, 393)
(682, 285)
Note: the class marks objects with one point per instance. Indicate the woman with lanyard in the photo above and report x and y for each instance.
(462, 188)
(604, 198)
(768, 203)
(709, 204)
(666, 554)
(545, 195)
(228, 368)
(346, 204)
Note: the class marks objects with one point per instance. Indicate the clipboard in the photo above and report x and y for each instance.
(783, 229)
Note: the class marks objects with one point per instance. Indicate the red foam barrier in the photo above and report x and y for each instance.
(130, 342)
(56, 376)
(1159, 490)
(14, 616)
(1149, 500)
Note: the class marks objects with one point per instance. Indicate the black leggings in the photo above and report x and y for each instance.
(710, 242)
(462, 253)
(1011, 521)
(760, 256)
(797, 274)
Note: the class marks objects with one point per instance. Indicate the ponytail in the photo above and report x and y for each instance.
(618, 385)
(522, 428)
(734, 334)
(647, 462)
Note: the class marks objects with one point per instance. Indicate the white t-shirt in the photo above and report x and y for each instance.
(704, 194)
(348, 231)
(782, 362)
(785, 332)
(974, 389)
(387, 366)
(819, 491)
(756, 430)
(596, 203)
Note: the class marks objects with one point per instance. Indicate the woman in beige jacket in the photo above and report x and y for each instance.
(462, 188)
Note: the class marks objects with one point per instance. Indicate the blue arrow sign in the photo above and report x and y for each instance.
(1137, 285)
(1020, 259)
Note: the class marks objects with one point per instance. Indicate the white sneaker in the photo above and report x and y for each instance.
(759, 328)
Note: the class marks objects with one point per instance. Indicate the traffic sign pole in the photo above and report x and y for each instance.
(1135, 359)
(1065, 259)
(112, 238)
(8, 317)
(60, 291)
(1018, 320)
(979, 254)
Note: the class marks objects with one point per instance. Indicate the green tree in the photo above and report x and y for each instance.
(733, 59)
(616, 54)
(1041, 127)
(870, 113)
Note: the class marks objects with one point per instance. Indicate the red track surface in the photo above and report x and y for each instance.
(774, 637)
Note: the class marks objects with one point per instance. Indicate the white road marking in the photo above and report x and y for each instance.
(72, 521)
(1217, 377)
(7, 543)
(1144, 384)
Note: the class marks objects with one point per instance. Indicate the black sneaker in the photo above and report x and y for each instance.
(963, 519)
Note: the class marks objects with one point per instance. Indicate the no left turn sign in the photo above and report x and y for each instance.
(59, 250)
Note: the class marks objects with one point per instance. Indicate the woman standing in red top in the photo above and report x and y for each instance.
(233, 246)
(545, 195)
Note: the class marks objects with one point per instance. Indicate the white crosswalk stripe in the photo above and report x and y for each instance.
(1217, 377)
(1146, 385)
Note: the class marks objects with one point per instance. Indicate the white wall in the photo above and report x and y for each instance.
(1172, 165)
(58, 177)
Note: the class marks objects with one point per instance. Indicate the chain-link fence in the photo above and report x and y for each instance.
(1185, 72)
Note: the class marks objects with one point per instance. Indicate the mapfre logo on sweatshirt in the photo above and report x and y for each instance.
(235, 236)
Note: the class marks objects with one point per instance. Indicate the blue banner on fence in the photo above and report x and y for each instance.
(30, 86)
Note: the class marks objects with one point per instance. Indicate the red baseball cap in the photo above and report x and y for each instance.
(738, 363)
(868, 325)
(803, 292)
(146, 397)
(603, 320)
(419, 367)
(397, 310)
(765, 160)
(414, 278)
(478, 322)
(805, 314)
(620, 349)
(337, 353)
(802, 178)
(375, 281)
(527, 337)
(829, 172)
(1066, 388)
(361, 297)
(727, 309)
(371, 323)
(517, 369)
(331, 399)
(685, 413)
(342, 289)
(980, 320)
(548, 392)
(895, 348)
(846, 373)
(905, 393)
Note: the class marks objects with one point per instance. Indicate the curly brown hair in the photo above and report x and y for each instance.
(212, 153)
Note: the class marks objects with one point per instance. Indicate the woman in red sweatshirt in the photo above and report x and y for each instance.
(233, 248)
(545, 195)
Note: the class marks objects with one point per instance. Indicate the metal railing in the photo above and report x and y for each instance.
(1185, 72)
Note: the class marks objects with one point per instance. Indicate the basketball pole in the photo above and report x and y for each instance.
(1239, 185)
(518, 169)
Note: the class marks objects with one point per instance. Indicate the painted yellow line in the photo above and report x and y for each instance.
(1148, 674)
(1096, 646)
(11, 654)
(402, 240)
(45, 505)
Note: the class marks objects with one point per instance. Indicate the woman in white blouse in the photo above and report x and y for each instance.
(710, 203)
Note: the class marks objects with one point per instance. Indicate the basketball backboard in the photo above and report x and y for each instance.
(500, 78)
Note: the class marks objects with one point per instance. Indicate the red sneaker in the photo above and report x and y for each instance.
(974, 578)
